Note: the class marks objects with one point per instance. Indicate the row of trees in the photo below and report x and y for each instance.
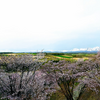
(22, 78)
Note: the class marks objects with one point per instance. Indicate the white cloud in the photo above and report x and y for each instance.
(36, 22)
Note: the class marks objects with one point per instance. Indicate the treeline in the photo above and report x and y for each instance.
(54, 53)
(78, 55)
(6, 52)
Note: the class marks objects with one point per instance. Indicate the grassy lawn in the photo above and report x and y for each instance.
(64, 56)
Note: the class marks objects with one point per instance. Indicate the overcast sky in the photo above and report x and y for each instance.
(27, 25)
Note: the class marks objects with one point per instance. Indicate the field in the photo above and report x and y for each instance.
(60, 56)
(56, 57)
(69, 57)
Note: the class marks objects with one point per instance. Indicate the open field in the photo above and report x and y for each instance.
(69, 57)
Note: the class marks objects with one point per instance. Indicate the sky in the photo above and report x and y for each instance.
(29, 25)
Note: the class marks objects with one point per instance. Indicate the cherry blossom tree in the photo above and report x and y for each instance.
(21, 79)
(74, 78)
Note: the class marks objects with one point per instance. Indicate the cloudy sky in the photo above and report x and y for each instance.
(27, 25)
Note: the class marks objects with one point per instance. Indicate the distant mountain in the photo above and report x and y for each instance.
(86, 49)
(76, 50)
